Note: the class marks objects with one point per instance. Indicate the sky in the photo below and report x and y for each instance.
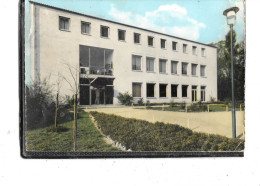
(197, 20)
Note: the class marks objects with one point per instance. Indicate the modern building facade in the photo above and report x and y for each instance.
(114, 58)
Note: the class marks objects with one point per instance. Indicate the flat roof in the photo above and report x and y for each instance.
(69, 11)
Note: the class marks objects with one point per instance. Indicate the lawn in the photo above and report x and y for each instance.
(140, 135)
(61, 139)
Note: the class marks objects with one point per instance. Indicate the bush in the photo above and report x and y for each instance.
(140, 135)
(39, 104)
(125, 99)
(140, 102)
(173, 104)
(183, 105)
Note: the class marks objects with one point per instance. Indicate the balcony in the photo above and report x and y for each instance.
(95, 61)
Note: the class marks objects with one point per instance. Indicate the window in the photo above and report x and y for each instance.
(202, 93)
(174, 45)
(194, 93)
(184, 48)
(104, 31)
(64, 23)
(150, 90)
(174, 67)
(184, 68)
(193, 69)
(121, 35)
(194, 50)
(163, 90)
(202, 52)
(184, 89)
(149, 64)
(136, 62)
(85, 27)
(137, 38)
(174, 91)
(163, 43)
(202, 70)
(137, 87)
(162, 66)
(150, 41)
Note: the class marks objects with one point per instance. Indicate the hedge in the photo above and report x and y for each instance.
(140, 135)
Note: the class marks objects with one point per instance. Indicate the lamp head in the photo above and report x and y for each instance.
(230, 13)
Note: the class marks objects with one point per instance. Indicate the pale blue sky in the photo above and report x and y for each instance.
(198, 20)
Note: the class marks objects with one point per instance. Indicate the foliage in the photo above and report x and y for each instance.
(40, 106)
(148, 104)
(183, 105)
(224, 67)
(125, 98)
(60, 139)
(173, 104)
(140, 102)
(139, 135)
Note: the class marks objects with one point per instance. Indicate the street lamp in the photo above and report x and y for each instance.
(230, 13)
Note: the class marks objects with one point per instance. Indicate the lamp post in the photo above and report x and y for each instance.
(230, 13)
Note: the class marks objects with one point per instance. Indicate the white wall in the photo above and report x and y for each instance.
(58, 47)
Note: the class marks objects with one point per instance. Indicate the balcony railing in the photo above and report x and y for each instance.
(96, 70)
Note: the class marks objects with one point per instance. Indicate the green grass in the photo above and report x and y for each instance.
(141, 135)
(61, 139)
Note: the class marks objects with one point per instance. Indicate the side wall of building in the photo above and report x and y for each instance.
(53, 50)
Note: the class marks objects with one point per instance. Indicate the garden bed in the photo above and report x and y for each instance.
(140, 135)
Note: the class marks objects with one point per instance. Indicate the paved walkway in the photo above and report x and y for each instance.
(209, 122)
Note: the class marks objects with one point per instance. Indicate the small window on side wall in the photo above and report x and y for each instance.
(137, 38)
(64, 23)
(203, 52)
(104, 31)
(150, 41)
(121, 35)
(85, 27)
(174, 46)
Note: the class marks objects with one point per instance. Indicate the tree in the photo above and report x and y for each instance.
(58, 84)
(74, 85)
(224, 68)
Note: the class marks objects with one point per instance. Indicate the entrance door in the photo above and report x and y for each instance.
(194, 93)
(109, 94)
(84, 95)
(97, 96)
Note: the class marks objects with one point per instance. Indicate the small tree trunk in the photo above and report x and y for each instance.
(74, 124)
(76, 120)
(56, 110)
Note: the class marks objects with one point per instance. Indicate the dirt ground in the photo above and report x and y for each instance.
(208, 122)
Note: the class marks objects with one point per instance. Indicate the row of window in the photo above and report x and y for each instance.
(64, 24)
(150, 91)
(137, 66)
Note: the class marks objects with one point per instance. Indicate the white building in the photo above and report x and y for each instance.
(116, 58)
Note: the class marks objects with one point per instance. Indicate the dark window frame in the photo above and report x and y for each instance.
(153, 87)
(150, 41)
(101, 31)
(124, 34)
(137, 35)
(85, 23)
(62, 26)
(163, 94)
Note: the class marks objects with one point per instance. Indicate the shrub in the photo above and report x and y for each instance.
(148, 104)
(140, 135)
(125, 98)
(140, 102)
(40, 107)
(183, 105)
(173, 104)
